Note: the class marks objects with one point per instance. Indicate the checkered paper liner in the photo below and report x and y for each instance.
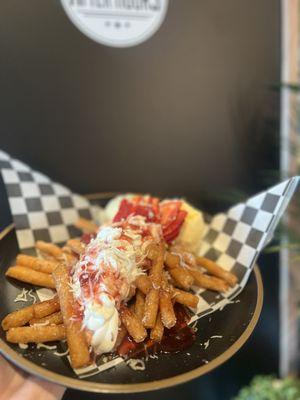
(45, 210)
(41, 209)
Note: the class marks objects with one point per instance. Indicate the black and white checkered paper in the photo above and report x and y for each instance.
(235, 239)
(45, 210)
(41, 209)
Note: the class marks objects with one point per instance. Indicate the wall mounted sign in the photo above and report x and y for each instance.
(117, 23)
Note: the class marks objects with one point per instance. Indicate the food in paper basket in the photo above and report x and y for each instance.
(124, 287)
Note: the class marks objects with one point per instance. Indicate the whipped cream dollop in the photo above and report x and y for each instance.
(103, 320)
(104, 274)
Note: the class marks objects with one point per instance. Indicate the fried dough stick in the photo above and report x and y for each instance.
(168, 316)
(36, 334)
(210, 266)
(181, 276)
(151, 308)
(52, 319)
(157, 332)
(38, 264)
(78, 347)
(152, 297)
(133, 325)
(76, 246)
(53, 252)
(143, 283)
(209, 282)
(68, 256)
(173, 262)
(185, 298)
(214, 269)
(29, 275)
(49, 249)
(86, 226)
(158, 265)
(139, 306)
(180, 296)
(38, 310)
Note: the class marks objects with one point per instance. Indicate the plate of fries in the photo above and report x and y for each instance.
(116, 308)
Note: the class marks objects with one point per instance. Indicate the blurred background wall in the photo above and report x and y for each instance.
(192, 111)
(290, 165)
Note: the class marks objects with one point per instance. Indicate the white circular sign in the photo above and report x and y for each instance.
(117, 23)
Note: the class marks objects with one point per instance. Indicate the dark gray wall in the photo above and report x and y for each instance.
(174, 114)
(188, 111)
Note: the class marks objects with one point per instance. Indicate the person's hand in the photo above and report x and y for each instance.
(18, 385)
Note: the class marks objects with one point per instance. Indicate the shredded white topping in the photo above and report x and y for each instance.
(22, 296)
(23, 346)
(206, 344)
(111, 255)
(181, 259)
(194, 325)
(226, 302)
(104, 274)
(153, 356)
(56, 353)
(136, 364)
(45, 346)
(32, 296)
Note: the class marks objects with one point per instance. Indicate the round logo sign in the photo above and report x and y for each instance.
(117, 23)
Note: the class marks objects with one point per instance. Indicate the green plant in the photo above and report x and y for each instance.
(269, 388)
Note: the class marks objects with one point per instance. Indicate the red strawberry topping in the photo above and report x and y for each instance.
(167, 213)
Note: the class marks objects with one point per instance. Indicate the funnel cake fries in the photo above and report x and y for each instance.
(120, 285)
(77, 342)
(39, 310)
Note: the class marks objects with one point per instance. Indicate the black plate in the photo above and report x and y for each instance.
(234, 323)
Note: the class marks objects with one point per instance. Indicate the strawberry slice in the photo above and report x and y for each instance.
(169, 238)
(125, 209)
(172, 218)
(172, 230)
(175, 224)
(168, 213)
(169, 210)
(144, 206)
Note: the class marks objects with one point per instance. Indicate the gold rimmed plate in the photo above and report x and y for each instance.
(219, 336)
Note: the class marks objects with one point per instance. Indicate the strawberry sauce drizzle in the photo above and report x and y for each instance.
(87, 237)
(176, 339)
